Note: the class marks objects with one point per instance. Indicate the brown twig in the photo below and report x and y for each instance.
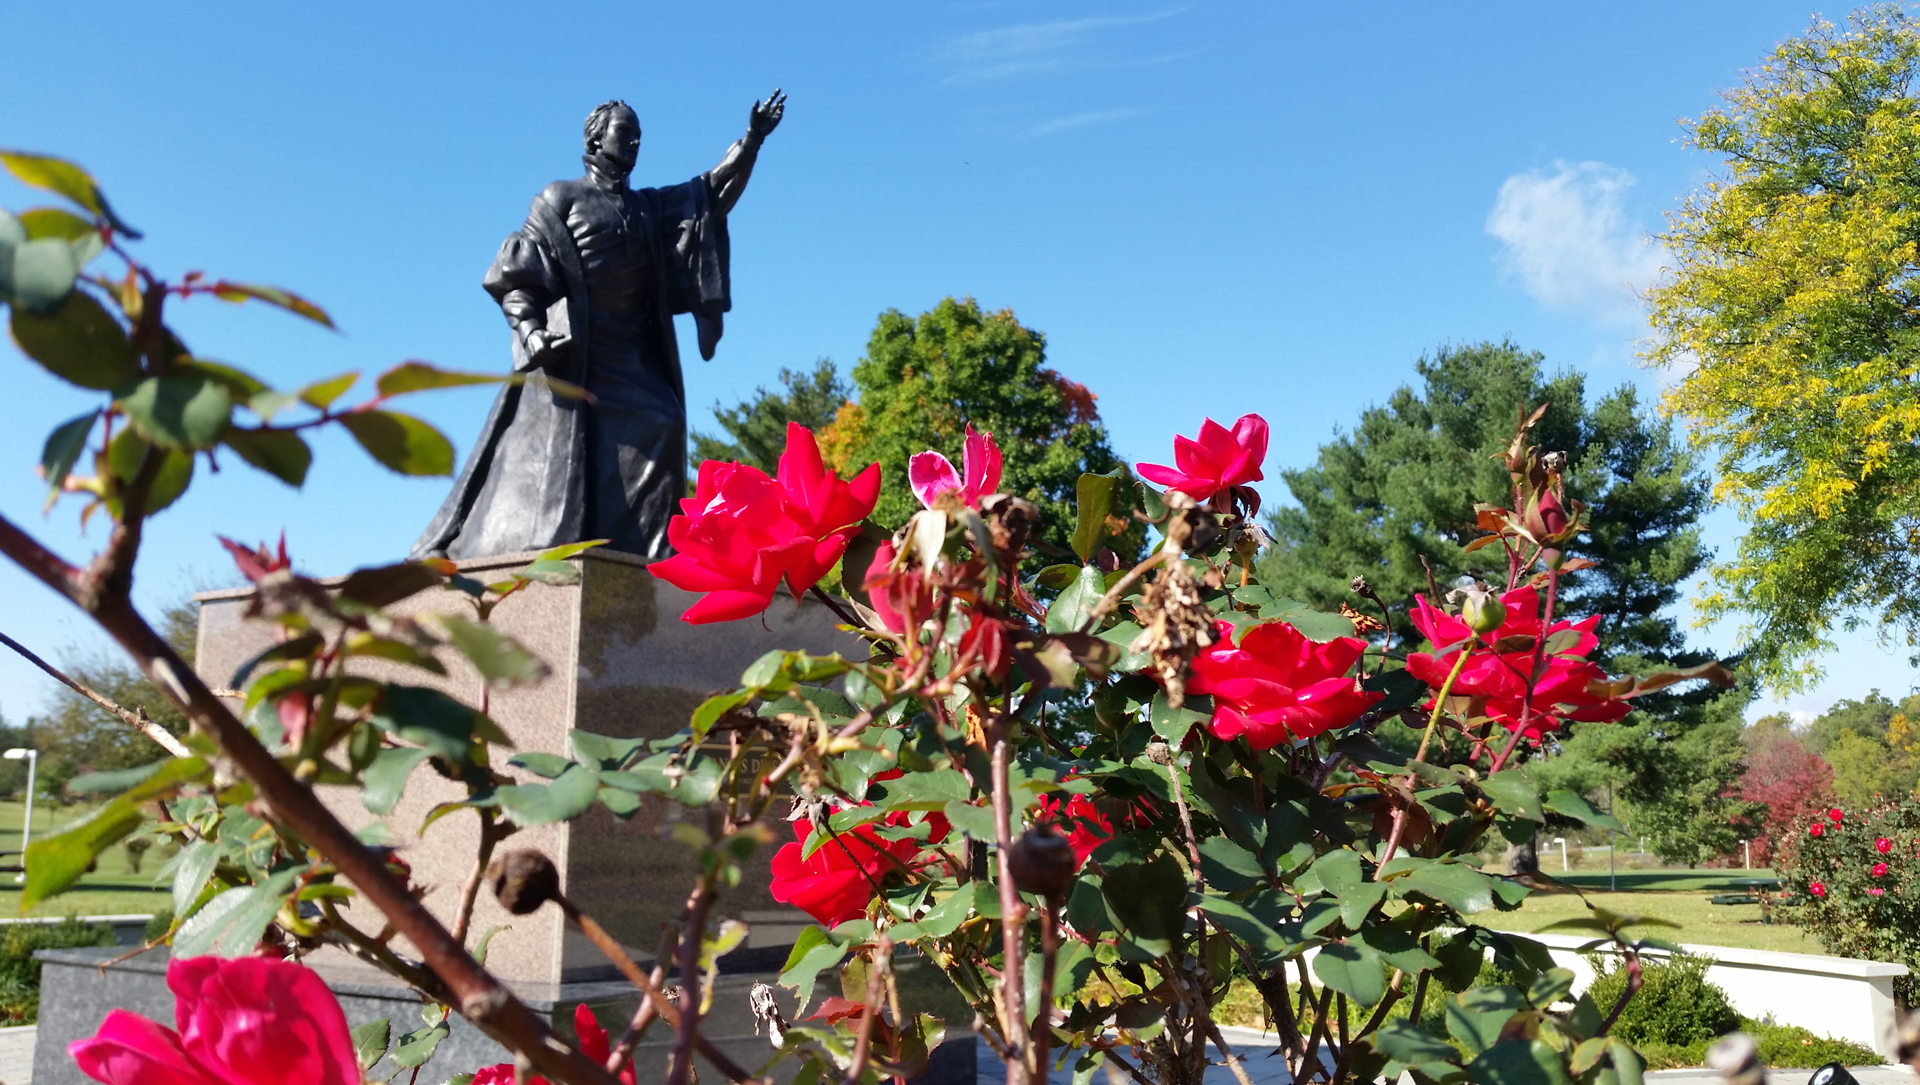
(1013, 916)
(102, 592)
(470, 892)
(1112, 598)
(644, 1015)
(693, 930)
(136, 719)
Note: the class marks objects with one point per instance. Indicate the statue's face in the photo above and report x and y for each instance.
(621, 144)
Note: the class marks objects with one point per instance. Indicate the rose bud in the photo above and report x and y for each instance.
(1042, 863)
(523, 880)
(1482, 610)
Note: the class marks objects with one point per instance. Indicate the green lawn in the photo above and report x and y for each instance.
(1677, 896)
(112, 889)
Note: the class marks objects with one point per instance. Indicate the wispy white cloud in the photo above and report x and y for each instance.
(1041, 48)
(1568, 239)
(1082, 120)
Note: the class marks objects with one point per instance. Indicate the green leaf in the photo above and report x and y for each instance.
(599, 751)
(1398, 947)
(77, 341)
(1520, 1062)
(401, 443)
(1313, 624)
(1173, 723)
(42, 276)
(55, 862)
(1358, 901)
(1401, 687)
(1227, 865)
(1476, 1016)
(546, 765)
(63, 448)
(386, 778)
(197, 861)
(1550, 987)
(1057, 576)
(1455, 885)
(1406, 1045)
(1353, 970)
(504, 662)
(1147, 902)
(272, 295)
(1093, 500)
(937, 786)
(55, 223)
(112, 783)
(430, 718)
(1236, 920)
(416, 1047)
(567, 797)
(1072, 606)
(124, 454)
(813, 952)
(279, 452)
(230, 925)
(1153, 503)
(946, 916)
(975, 821)
(321, 393)
(55, 175)
(179, 412)
(548, 571)
(1512, 793)
(386, 585)
(1573, 805)
(713, 708)
(370, 1043)
(419, 377)
(1339, 870)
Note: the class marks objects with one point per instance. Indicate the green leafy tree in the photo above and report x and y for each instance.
(1385, 501)
(756, 430)
(1791, 308)
(925, 378)
(1872, 745)
(78, 735)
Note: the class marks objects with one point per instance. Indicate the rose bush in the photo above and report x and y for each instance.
(1092, 797)
(1859, 871)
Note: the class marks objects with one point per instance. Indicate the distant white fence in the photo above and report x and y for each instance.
(1828, 996)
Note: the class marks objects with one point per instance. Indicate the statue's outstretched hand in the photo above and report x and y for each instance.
(766, 115)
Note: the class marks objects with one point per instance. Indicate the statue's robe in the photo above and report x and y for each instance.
(610, 267)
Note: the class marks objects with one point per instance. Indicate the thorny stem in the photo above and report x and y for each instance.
(103, 593)
(863, 1046)
(1433, 720)
(834, 605)
(1013, 916)
(470, 891)
(1049, 956)
(1633, 986)
(644, 1015)
(1119, 590)
(691, 934)
(136, 719)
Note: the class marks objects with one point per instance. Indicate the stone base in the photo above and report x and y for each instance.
(624, 665)
(76, 993)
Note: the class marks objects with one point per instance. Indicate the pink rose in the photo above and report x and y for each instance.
(931, 474)
(1883, 845)
(246, 1021)
(1220, 460)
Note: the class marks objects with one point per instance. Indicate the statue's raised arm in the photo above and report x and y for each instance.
(729, 178)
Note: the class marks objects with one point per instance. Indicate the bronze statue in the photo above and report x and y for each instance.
(590, 285)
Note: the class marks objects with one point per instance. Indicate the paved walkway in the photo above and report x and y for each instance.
(1865, 1075)
(16, 1055)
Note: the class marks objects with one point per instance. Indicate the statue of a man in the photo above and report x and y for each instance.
(590, 285)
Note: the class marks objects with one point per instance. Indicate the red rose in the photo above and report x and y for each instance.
(247, 1019)
(901, 597)
(1883, 845)
(742, 533)
(1276, 685)
(835, 883)
(1834, 815)
(1876, 891)
(1090, 827)
(593, 1045)
(1220, 460)
(1816, 829)
(1818, 889)
(1879, 870)
(1496, 679)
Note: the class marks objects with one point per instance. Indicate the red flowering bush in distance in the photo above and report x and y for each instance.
(1867, 866)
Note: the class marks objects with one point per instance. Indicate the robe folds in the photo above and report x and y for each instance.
(550, 469)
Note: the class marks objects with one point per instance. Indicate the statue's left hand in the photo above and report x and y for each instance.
(766, 115)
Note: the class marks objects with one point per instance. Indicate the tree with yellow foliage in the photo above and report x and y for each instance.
(1792, 305)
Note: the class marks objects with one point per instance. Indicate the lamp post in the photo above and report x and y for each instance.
(1562, 841)
(32, 758)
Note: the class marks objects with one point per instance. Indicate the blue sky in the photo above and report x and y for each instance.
(1209, 208)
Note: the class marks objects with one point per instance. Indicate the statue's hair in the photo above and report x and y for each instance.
(602, 116)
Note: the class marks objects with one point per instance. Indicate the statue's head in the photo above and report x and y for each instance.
(613, 136)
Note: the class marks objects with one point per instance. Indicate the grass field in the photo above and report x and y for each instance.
(1677, 896)
(112, 889)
